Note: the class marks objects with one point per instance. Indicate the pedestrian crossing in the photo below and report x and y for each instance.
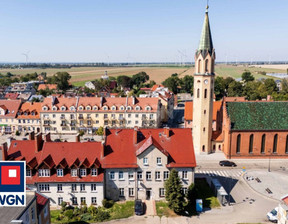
(221, 173)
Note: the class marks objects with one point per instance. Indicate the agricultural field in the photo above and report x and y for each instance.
(82, 74)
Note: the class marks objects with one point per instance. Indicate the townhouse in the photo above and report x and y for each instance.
(128, 164)
(69, 115)
(8, 113)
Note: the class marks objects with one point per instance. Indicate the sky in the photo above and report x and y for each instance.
(141, 30)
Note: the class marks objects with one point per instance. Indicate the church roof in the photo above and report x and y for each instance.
(206, 44)
(258, 115)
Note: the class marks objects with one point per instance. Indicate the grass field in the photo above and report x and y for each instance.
(82, 74)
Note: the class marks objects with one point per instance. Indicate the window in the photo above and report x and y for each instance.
(198, 93)
(263, 143)
(129, 115)
(83, 200)
(148, 176)
(238, 143)
(185, 175)
(94, 200)
(137, 108)
(59, 188)
(44, 187)
(206, 65)
(286, 147)
(136, 115)
(82, 187)
(159, 162)
(251, 139)
(205, 93)
(131, 192)
(161, 192)
(82, 172)
(44, 173)
(166, 175)
(74, 187)
(112, 175)
(59, 172)
(33, 214)
(93, 187)
(121, 175)
(93, 172)
(131, 175)
(275, 143)
(73, 172)
(74, 201)
(28, 173)
(139, 175)
(157, 175)
(60, 201)
(145, 161)
(184, 190)
(151, 116)
(121, 192)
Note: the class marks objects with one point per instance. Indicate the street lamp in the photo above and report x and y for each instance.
(269, 151)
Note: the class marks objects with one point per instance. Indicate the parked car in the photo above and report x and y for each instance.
(272, 216)
(227, 163)
(139, 207)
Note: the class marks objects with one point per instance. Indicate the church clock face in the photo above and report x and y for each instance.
(206, 81)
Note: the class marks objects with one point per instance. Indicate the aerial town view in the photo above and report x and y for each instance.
(143, 112)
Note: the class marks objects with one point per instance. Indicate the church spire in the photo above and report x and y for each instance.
(206, 43)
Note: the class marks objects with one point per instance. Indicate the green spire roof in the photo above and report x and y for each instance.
(206, 43)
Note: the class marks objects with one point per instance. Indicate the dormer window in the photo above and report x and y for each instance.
(88, 108)
(28, 173)
(82, 172)
(121, 108)
(80, 108)
(72, 108)
(113, 108)
(129, 108)
(105, 108)
(54, 108)
(148, 108)
(137, 108)
(94, 172)
(44, 173)
(33, 113)
(63, 108)
(25, 113)
(44, 108)
(95, 108)
(73, 172)
(60, 173)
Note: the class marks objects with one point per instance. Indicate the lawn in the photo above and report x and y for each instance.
(117, 211)
(162, 209)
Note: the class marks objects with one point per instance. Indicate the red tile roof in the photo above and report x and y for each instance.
(41, 202)
(49, 86)
(11, 106)
(29, 108)
(11, 96)
(188, 113)
(179, 147)
(156, 86)
(217, 136)
(59, 102)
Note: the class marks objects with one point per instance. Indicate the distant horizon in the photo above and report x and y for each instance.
(148, 31)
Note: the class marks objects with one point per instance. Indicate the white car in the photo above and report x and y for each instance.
(272, 216)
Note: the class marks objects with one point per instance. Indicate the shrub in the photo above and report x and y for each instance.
(92, 210)
(101, 215)
(81, 133)
(86, 217)
(69, 214)
(83, 209)
(100, 131)
(17, 133)
(107, 203)
(63, 206)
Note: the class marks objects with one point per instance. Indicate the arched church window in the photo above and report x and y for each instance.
(206, 65)
(263, 142)
(275, 143)
(205, 93)
(199, 65)
(198, 93)
(251, 143)
(238, 143)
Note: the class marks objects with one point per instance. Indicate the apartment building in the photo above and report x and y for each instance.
(8, 113)
(127, 164)
(69, 115)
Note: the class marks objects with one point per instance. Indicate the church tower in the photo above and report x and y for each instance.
(203, 91)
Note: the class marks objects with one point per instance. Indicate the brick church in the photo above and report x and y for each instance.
(238, 128)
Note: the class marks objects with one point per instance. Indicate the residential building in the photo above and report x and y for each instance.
(89, 85)
(8, 113)
(282, 214)
(85, 173)
(21, 87)
(47, 86)
(28, 117)
(43, 209)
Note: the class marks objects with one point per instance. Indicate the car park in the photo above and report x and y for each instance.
(227, 163)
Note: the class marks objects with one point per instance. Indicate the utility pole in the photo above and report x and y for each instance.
(269, 151)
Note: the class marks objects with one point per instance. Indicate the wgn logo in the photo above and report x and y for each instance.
(12, 183)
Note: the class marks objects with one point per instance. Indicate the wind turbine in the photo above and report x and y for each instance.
(26, 56)
(182, 54)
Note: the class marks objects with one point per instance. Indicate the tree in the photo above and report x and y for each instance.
(234, 89)
(187, 83)
(191, 194)
(61, 79)
(270, 86)
(246, 76)
(251, 90)
(284, 85)
(172, 83)
(173, 192)
(139, 78)
(100, 131)
(219, 87)
(124, 81)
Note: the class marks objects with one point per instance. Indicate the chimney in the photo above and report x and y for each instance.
(135, 135)
(77, 138)
(133, 100)
(31, 135)
(103, 149)
(4, 151)
(38, 142)
(167, 132)
(101, 102)
(47, 137)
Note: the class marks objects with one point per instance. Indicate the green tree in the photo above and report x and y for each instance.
(174, 194)
(100, 131)
(247, 76)
(234, 89)
(250, 90)
(62, 79)
(284, 85)
(219, 87)
(187, 83)
(172, 83)
(270, 86)
(139, 78)
(124, 81)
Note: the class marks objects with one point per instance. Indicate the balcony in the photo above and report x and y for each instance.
(62, 117)
(80, 117)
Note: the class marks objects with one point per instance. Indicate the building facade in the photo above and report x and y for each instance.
(28, 117)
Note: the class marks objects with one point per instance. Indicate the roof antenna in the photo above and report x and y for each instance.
(207, 7)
